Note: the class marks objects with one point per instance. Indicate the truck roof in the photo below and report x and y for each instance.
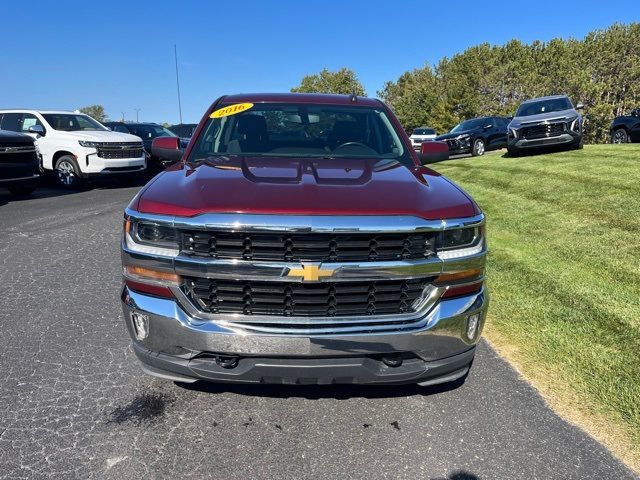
(31, 110)
(314, 98)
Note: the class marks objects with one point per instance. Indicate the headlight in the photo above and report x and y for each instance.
(151, 238)
(513, 133)
(575, 125)
(459, 242)
(89, 144)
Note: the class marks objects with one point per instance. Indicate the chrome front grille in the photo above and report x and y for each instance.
(317, 247)
(543, 130)
(116, 150)
(300, 299)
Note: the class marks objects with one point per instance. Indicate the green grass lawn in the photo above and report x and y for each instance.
(564, 278)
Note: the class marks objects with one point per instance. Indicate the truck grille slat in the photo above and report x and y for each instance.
(305, 247)
(287, 299)
(116, 150)
(543, 130)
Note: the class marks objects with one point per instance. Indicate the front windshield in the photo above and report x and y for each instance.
(299, 130)
(71, 122)
(469, 125)
(544, 106)
(149, 132)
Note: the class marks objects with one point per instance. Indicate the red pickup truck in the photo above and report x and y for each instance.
(300, 240)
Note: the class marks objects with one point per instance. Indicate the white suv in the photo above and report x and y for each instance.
(75, 146)
(420, 135)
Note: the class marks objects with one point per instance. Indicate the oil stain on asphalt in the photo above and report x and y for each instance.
(143, 409)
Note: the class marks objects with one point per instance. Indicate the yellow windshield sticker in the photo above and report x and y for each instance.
(231, 110)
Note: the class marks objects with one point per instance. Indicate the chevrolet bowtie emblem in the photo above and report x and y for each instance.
(310, 272)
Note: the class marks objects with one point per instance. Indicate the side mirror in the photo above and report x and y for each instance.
(435, 151)
(166, 148)
(580, 106)
(37, 129)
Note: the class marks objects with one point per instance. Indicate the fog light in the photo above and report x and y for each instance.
(472, 326)
(140, 325)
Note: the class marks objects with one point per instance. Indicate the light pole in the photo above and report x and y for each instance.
(175, 52)
(137, 110)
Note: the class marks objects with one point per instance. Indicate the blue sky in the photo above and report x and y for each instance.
(66, 54)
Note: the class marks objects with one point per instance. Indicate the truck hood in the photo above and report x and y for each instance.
(11, 139)
(303, 187)
(99, 136)
(559, 116)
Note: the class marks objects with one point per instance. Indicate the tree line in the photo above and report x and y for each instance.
(602, 71)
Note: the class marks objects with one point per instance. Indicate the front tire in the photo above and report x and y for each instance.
(619, 136)
(67, 172)
(22, 190)
(478, 148)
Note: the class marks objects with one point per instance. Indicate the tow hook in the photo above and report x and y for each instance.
(225, 361)
(392, 361)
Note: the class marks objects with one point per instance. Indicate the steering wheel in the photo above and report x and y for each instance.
(355, 148)
(353, 144)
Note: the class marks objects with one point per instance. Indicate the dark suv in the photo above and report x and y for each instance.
(626, 128)
(476, 136)
(184, 130)
(19, 163)
(146, 132)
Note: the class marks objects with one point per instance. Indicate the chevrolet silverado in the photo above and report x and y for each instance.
(300, 240)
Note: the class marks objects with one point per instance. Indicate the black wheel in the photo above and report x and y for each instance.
(22, 190)
(67, 172)
(478, 148)
(513, 152)
(619, 135)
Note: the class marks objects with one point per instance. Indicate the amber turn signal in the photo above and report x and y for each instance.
(143, 273)
(468, 275)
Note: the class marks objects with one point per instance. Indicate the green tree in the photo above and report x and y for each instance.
(343, 81)
(95, 111)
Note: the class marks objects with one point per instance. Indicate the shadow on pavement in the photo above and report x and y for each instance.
(47, 189)
(316, 392)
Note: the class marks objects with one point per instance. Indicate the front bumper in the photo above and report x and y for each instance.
(92, 165)
(568, 138)
(459, 146)
(25, 180)
(183, 347)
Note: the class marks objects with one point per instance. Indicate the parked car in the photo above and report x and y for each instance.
(74, 146)
(330, 257)
(420, 135)
(184, 130)
(626, 128)
(545, 122)
(20, 168)
(476, 136)
(147, 132)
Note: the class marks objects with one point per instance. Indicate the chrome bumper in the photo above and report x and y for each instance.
(176, 341)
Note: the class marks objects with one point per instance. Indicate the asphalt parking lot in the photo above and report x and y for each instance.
(74, 403)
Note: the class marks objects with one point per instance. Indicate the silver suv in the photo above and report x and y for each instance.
(545, 122)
